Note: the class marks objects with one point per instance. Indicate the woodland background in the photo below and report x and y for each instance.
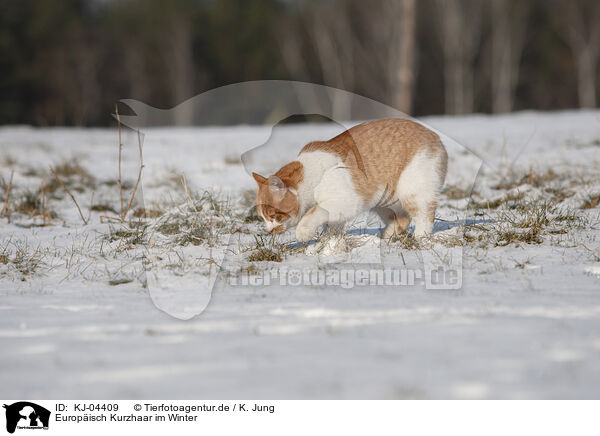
(66, 62)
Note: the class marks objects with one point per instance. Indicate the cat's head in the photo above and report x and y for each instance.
(277, 200)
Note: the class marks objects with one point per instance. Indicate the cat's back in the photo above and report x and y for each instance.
(383, 135)
(376, 152)
(389, 135)
(391, 140)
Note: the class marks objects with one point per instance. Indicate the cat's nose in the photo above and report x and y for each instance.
(277, 229)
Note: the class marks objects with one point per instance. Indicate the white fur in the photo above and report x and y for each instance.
(310, 222)
(421, 183)
(336, 201)
(327, 184)
(315, 164)
(336, 194)
(271, 224)
(320, 178)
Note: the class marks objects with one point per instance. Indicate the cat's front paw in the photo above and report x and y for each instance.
(389, 231)
(304, 233)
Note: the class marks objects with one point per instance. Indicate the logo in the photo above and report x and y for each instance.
(26, 415)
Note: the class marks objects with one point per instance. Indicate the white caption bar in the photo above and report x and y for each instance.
(301, 417)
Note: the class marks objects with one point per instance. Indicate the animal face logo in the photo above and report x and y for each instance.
(26, 415)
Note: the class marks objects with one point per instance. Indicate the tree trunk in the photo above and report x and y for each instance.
(583, 37)
(501, 55)
(460, 34)
(406, 65)
(181, 68)
(586, 76)
(334, 46)
(509, 19)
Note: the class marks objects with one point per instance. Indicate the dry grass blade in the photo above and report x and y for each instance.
(187, 192)
(591, 202)
(43, 201)
(70, 195)
(139, 177)
(120, 152)
(106, 218)
(6, 209)
(91, 207)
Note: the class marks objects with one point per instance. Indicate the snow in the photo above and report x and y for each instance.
(525, 322)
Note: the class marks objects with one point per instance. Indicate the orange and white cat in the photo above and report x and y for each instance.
(395, 167)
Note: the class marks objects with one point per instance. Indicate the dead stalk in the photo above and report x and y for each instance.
(110, 218)
(70, 194)
(6, 209)
(187, 192)
(43, 201)
(116, 220)
(120, 152)
(135, 188)
(91, 206)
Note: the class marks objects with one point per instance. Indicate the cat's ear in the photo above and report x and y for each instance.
(277, 186)
(259, 179)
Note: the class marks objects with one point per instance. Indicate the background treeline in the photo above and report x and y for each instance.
(66, 62)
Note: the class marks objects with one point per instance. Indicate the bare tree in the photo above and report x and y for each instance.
(581, 20)
(333, 40)
(509, 21)
(135, 69)
(292, 49)
(180, 66)
(460, 32)
(385, 46)
(404, 58)
(86, 76)
(293, 53)
(366, 47)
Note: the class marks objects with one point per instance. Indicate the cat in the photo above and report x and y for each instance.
(393, 166)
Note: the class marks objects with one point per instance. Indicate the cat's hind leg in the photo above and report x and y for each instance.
(419, 189)
(423, 212)
(395, 218)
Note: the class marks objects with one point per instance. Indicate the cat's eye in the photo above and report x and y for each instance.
(279, 217)
(272, 214)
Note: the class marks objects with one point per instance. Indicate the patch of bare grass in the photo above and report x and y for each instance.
(406, 241)
(265, 249)
(103, 207)
(454, 192)
(591, 202)
(151, 212)
(252, 217)
(531, 177)
(204, 219)
(128, 236)
(9, 161)
(560, 193)
(20, 258)
(233, 159)
(73, 175)
(33, 204)
(496, 203)
(526, 222)
(512, 236)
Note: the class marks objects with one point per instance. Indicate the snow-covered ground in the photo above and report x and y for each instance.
(78, 305)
